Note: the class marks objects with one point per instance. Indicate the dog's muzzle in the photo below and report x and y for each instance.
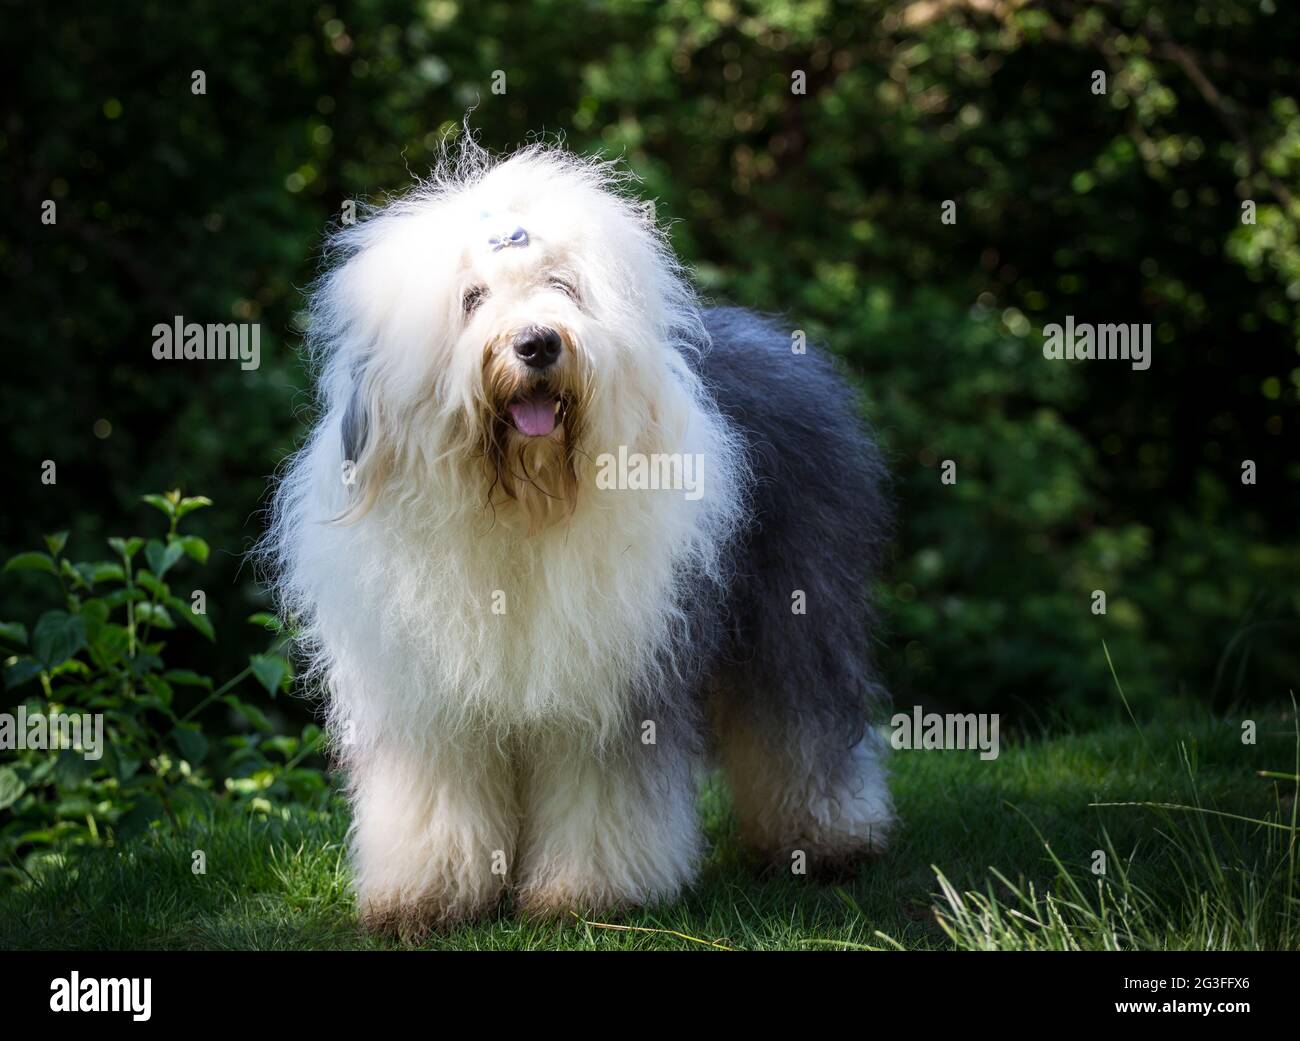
(531, 376)
(538, 347)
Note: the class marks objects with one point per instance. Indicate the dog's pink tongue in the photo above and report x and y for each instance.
(534, 417)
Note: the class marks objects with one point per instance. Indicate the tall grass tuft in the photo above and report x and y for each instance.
(1217, 881)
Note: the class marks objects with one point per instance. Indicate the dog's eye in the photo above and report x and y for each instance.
(564, 287)
(473, 297)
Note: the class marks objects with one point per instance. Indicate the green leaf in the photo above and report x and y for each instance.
(40, 773)
(127, 767)
(57, 637)
(94, 613)
(154, 614)
(285, 744)
(147, 581)
(160, 690)
(111, 643)
(160, 503)
(128, 548)
(194, 547)
(56, 542)
(69, 572)
(255, 716)
(199, 621)
(11, 787)
(145, 661)
(74, 807)
(101, 571)
(190, 740)
(14, 632)
(267, 621)
(187, 678)
(71, 768)
(161, 557)
(305, 784)
(118, 597)
(146, 810)
(270, 670)
(71, 667)
(191, 504)
(31, 562)
(24, 670)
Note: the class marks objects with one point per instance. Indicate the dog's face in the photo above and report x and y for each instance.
(522, 316)
(508, 324)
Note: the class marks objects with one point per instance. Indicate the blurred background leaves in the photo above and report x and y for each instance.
(825, 206)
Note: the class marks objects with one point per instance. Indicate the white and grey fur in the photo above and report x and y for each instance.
(505, 753)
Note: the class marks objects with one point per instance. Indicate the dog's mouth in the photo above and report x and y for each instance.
(535, 415)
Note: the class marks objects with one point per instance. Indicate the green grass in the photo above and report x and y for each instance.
(1011, 841)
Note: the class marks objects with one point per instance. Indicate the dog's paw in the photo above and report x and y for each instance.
(825, 865)
(411, 920)
(570, 900)
(407, 923)
(576, 899)
(821, 854)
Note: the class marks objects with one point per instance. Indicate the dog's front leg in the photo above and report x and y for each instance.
(606, 830)
(433, 833)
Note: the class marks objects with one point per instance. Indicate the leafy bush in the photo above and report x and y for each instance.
(172, 740)
(989, 601)
(1118, 207)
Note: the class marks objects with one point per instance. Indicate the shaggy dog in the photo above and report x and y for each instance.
(562, 537)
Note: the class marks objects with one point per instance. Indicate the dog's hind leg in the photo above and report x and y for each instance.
(807, 789)
(433, 833)
(601, 831)
(799, 688)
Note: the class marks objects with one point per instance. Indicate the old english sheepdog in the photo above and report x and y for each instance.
(560, 539)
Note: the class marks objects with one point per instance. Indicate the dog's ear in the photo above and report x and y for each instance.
(357, 434)
(356, 424)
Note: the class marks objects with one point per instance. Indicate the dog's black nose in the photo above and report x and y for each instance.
(538, 346)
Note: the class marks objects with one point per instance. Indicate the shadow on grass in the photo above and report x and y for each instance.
(283, 883)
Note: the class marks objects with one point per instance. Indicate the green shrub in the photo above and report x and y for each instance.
(172, 740)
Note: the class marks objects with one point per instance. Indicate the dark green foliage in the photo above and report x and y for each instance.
(171, 740)
(1120, 207)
